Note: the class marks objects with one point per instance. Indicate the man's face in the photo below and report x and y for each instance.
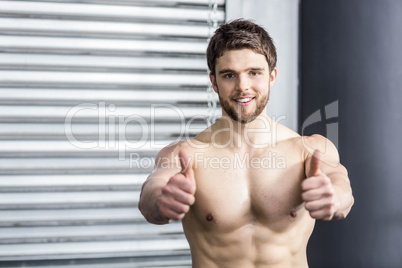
(242, 81)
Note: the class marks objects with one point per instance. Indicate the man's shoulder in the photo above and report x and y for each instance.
(316, 142)
(176, 146)
(328, 151)
(168, 156)
(310, 143)
(303, 144)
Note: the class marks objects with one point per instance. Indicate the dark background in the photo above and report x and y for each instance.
(351, 52)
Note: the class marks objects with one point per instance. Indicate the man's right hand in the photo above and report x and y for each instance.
(178, 194)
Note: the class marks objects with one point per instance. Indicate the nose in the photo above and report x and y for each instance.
(243, 83)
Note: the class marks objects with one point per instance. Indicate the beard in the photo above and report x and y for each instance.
(239, 113)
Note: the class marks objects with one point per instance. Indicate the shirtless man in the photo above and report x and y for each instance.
(247, 189)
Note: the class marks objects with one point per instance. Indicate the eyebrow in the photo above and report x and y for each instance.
(248, 69)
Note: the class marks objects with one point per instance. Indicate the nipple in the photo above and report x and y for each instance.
(209, 217)
(293, 214)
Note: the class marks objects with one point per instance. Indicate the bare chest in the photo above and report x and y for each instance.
(236, 189)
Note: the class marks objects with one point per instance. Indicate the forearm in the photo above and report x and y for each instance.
(343, 195)
(148, 204)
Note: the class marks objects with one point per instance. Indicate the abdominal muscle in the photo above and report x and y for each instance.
(251, 245)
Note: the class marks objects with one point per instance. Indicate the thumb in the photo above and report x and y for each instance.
(186, 165)
(315, 164)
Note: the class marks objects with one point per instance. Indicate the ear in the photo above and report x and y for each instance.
(213, 82)
(272, 77)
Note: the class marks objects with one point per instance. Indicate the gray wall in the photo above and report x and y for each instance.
(351, 53)
(281, 20)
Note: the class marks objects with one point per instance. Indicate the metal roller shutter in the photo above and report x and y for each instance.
(89, 92)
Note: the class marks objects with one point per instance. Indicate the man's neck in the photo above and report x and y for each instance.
(256, 134)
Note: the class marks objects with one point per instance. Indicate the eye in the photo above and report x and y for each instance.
(228, 75)
(253, 73)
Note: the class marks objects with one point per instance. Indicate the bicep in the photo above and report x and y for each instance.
(329, 156)
(166, 165)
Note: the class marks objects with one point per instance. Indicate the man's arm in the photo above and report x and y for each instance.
(168, 192)
(326, 190)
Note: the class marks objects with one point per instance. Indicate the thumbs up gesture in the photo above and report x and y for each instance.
(178, 194)
(318, 192)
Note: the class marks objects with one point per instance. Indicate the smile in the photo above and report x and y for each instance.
(244, 101)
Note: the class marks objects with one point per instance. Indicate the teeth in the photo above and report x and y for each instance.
(244, 100)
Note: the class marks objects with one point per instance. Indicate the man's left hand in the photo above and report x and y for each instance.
(318, 192)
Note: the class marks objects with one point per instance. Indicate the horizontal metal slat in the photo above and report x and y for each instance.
(81, 148)
(95, 232)
(175, 261)
(91, 28)
(72, 180)
(83, 62)
(45, 77)
(68, 198)
(160, 2)
(105, 11)
(97, 113)
(87, 249)
(55, 217)
(57, 131)
(58, 96)
(98, 45)
(76, 165)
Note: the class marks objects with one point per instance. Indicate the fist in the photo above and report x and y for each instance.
(318, 192)
(178, 194)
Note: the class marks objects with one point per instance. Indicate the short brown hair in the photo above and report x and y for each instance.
(240, 34)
